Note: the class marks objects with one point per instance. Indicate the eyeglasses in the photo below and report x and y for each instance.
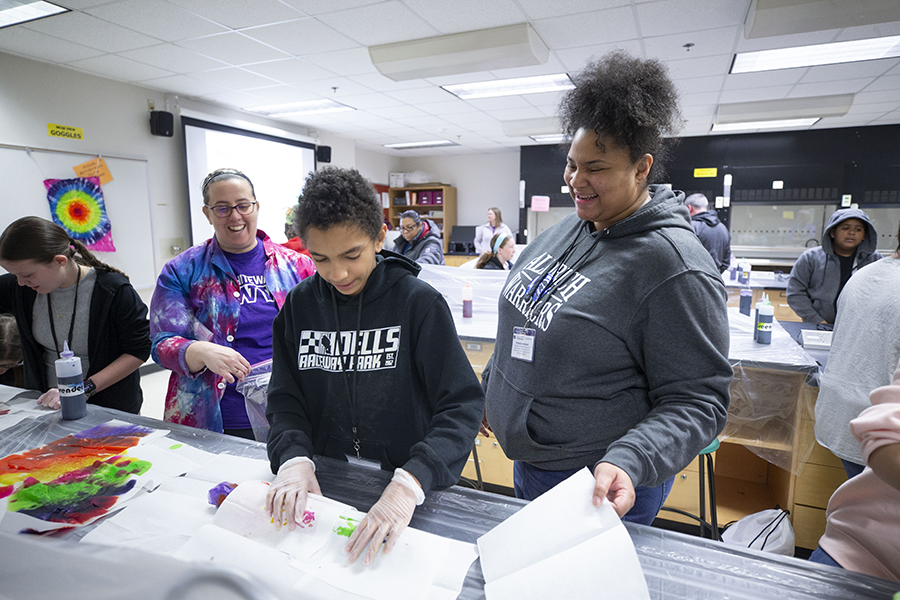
(7, 367)
(409, 228)
(223, 212)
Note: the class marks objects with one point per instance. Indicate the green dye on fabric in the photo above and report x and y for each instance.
(346, 528)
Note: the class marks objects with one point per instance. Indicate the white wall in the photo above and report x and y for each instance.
(481, 181)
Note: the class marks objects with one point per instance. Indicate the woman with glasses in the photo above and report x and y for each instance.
(212, 311)
(420, 239)
(60, 293)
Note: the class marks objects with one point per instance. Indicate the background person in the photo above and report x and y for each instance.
(485, 233)
(367, 367)
(820, 273)
(862, 531)
(420, 239)
(500, 256)
(60, 292)
(712, 232)
(11, 372)
(212, 311)
(865, 349)
(597, 303)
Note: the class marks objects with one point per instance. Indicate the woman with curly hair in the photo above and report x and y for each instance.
(612, 342)
(367, 367)
(212, 311)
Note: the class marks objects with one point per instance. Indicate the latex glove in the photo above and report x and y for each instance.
(221, 360)
(386, 519)
(614, 485)
(50, 399)
(286, 500)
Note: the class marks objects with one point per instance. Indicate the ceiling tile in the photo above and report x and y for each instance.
(345, 87)
(551, 67)
(866, 97)
(827, 88)
(238, 14)
(235, 99)
(700, 84)
(422, 95)
(699, 99)
(451, 107)
(868, 31)
(290, 70)
(172, 58)
(572, 31)
(43, 47)
(233, 78)
(156, 18)
(867, 109)
(110, 65)
(372, 100)
(575, 59)
(528, 112)
(80, 4)
(232, 48)
(467, 15)
(402, 111)
(184, 85)
(884, 83)
(754, 94)
(742, 81)
(706, 43)
(503, 103)
(305, 36)
(381, 23)
(541, 9)
(546, 99)
(867, 68)
(784, 41)
(317, 7)
(354, 61)
(100, 34)
(706, 66)
(380, 83)
(281, 94)
(696, 15)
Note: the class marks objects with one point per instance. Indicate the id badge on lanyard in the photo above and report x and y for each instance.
(523, 343)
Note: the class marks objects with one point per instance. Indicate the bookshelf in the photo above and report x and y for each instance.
(420, 198)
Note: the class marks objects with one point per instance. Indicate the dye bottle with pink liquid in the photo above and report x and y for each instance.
(467, 300)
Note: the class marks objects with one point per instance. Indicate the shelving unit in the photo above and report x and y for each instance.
(447, 206)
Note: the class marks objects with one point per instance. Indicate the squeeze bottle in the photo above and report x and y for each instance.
(70, 382)
(746, 300)
(764, 329)
(744, 272)
(467, 300)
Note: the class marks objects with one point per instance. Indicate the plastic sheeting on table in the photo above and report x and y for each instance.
(676, 566)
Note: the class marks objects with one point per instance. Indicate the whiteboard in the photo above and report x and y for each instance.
(127, 202)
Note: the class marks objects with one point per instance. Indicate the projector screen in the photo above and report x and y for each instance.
(278, 168)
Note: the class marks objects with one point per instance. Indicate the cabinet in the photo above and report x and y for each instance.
(421, 199)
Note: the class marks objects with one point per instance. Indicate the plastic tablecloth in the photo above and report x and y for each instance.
(676, 566)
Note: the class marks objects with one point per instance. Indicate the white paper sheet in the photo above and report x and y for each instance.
(235, 469)
(562, 546)
(166, 463)
(195, 455)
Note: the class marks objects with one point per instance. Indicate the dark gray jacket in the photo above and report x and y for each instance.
(426, 248)
(714, 236)
(630, 358)
(813, 286)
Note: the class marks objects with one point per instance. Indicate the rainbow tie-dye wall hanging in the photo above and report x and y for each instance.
(77, 205)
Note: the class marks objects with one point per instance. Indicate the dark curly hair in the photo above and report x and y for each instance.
(633, 101)
(333, 196)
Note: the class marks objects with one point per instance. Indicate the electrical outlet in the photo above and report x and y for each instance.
(151, 105)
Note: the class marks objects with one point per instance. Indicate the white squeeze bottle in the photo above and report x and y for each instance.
(467, 300)
(70, 382)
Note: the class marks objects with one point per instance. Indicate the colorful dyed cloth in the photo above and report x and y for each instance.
(197, 298)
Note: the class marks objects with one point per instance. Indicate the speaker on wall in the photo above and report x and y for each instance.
(323, 154)
(162, 123)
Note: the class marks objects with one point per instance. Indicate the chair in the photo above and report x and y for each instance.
(707, 480)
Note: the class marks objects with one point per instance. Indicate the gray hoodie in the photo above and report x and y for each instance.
(426, 248)
(630, 358)
(813, 287)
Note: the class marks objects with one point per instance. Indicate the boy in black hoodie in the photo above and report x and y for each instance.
(367, 366)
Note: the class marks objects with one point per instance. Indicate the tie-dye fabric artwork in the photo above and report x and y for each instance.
(77, 205)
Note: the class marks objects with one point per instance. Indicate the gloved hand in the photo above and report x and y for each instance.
(50, 399)
(387, 518)
(286, 499)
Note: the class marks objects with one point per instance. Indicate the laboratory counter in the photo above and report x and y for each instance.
(675, 566)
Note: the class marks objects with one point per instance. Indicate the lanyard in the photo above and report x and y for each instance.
(71, 323)
(351, 389)
(542, 288)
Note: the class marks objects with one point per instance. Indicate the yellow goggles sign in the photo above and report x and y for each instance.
(707, 172)
(64, 131)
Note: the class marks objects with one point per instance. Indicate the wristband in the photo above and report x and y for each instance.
(406, 480)
(297, 460)
(90, 388)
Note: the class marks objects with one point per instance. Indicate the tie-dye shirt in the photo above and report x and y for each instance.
(197, 298)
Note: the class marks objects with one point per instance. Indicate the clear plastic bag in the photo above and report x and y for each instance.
(254, 388)
(768, 530)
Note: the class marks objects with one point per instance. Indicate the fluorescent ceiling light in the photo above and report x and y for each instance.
(549, 139)
(467, 52)
(750, 125)
(13, 12)
(817, 54)
(431, 144)
(511, 87)
(310, 107)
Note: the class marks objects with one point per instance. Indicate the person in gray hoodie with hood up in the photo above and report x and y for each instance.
(820, 273)
(612, 338)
